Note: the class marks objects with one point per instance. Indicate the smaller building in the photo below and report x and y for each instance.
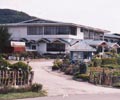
(81, 50)
(17, 46)
(111, 38)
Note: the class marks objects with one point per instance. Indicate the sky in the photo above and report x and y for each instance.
(104, 14)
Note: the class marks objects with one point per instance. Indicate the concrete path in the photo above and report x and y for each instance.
(58, 84)
(81, 97)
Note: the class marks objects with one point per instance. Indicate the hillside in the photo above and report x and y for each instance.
(13, 16)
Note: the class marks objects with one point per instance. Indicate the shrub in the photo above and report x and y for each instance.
(111, 66)
(117, 85)
(118, 60)
(83, 68)
(9, 89)
(36, 87)
(69, 70)
(57, 64)
(4, 64)
(21, 66)
(55, 67)
(96, 62)
(84, 77)
(116, 73)
(106, 61)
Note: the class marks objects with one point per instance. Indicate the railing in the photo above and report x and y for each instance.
(103, 77)
(15, 78)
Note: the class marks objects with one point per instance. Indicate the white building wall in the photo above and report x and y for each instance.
(42, 48)
(17, 32)
(80, 35)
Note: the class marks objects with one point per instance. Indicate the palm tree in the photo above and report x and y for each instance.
(4, 38)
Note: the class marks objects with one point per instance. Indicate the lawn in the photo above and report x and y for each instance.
(12, 96)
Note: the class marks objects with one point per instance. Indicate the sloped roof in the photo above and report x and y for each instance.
(111, 36)
(82, 46)
(113, 44)
(95, 42)
(39, 20)
(44, 40)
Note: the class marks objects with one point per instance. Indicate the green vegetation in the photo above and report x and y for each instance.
(4, 39)
(13, 16)
(12, 96)
(5, 65)
(57, 64)
(84, 77)
(102, 69)
(36, 87)
(20, 66)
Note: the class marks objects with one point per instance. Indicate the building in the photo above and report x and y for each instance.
(81, 50)
(46, 36)
(111, 38)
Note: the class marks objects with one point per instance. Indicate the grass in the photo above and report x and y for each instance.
(12, 96)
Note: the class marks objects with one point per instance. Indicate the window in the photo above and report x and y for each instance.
(63, 30)
(56, 47)
(73, 30)
(33, 47)
(50, 30)
(35, 30)
(60, 30)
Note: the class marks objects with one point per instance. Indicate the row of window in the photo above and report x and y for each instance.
(52, 47)
(51, 30)
(90, 34)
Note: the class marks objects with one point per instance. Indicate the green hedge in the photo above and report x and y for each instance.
(4, 64)
(8, 89)
(96, 62)
(21, 66)
(111, 66)
(106, 61)
(84, 77)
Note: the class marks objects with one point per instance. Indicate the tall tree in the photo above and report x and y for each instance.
(4, 38)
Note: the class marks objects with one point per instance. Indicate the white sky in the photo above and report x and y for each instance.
(103, 14)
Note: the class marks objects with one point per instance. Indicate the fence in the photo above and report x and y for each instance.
(103, 77)
(15, 78)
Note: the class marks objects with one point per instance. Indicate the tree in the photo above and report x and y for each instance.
(4, 38)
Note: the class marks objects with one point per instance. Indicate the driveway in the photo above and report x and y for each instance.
(58, 84)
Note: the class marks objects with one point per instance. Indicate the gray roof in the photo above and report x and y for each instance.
(42, 22)
(95, 42)
(111, 36)
(82, 46)
(113, 44)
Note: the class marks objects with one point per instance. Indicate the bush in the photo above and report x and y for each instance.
(4, 64)
(111, 66)
(57, 64)
(96, 62)
(118, 60)
(84, 77)
(21, 66)
(8, 89)
(55, 67)
(116, 73)
(69, 70)
(36, 87)
(106, 61)
(83, 68)
(117, 85)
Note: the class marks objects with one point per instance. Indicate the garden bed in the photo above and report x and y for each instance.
(12, 96)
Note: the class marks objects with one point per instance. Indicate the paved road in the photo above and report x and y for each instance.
(81, 97)
(61, 85)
